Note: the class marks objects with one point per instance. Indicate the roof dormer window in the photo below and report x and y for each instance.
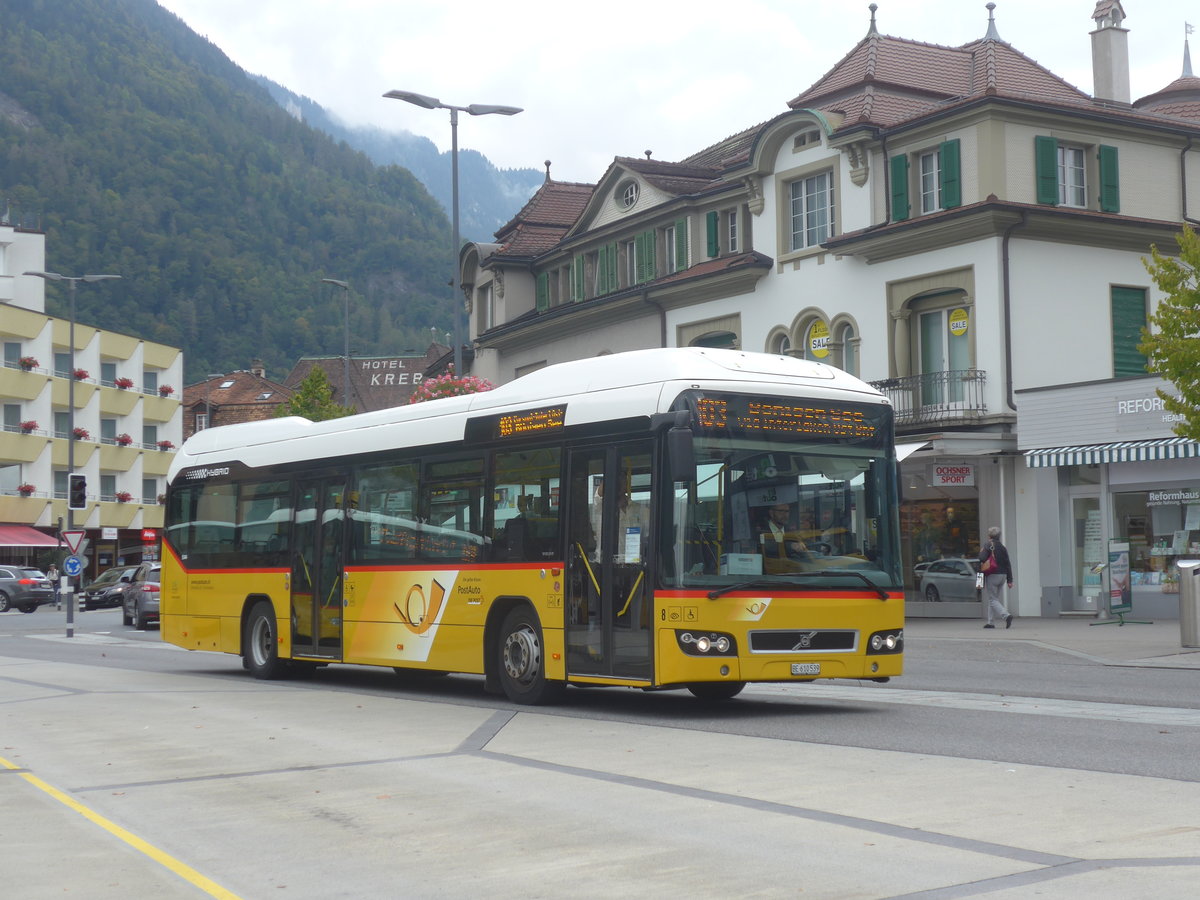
(627, 194)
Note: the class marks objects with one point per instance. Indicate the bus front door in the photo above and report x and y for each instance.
(608, 617)
(317, 567)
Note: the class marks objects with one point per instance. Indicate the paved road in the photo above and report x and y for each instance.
(187, 779)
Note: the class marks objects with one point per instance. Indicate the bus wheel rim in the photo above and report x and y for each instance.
(522, 655)
(261, 642)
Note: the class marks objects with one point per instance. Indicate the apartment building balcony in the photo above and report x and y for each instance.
(19, 383)
(19, 445)
(18, 509)
(940, 399)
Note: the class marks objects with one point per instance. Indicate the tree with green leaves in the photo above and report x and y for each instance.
(313, 399)
(1171, 344)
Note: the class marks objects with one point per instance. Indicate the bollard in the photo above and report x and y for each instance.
(1189, 602)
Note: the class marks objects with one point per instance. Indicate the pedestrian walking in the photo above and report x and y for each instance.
(996, 566)
(52, 575)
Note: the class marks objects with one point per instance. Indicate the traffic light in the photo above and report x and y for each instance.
(76, 491)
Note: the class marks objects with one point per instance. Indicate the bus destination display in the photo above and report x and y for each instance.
(764, 416)
(533, 421)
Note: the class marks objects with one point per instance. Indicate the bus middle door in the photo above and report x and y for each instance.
(608, 616)
(319, 530)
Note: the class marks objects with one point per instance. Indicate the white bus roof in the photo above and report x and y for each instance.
(599, 389)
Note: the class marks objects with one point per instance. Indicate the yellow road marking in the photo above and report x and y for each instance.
(187, 873)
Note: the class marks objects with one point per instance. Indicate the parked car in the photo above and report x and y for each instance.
(108, 589)
(950, 579)
(24, 588)
(139, 603)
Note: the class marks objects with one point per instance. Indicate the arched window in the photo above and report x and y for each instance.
(847, 341)
(816, 341)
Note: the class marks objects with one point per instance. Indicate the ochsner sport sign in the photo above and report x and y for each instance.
(952, 475)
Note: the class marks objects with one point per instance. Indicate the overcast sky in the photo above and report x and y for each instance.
(626, 76)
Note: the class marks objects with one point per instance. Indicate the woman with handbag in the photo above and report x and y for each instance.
(996, 567)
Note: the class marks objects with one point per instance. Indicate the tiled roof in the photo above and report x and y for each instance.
(732, 149)
(1180, 98)
(540, 224)
(887, 80)
(671, 177)
(244, 388)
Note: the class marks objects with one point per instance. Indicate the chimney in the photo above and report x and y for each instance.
(257, 369)
(1110, 53)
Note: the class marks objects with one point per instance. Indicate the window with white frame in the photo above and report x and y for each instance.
(629, 254)
(484, 321)
(1072, 179)
(149, 490)
(732, 231)
(848, 341)
(669, 248)
(811, 210)
(201, 421)
(930, 175)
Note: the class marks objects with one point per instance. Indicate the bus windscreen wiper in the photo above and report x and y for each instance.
(833, 573)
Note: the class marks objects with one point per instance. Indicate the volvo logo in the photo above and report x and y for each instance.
(805, 642)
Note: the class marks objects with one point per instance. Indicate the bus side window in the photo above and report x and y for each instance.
(384, 525)
(452, 511)
(525, 504)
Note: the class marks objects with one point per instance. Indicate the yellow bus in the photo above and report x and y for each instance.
(680, 518)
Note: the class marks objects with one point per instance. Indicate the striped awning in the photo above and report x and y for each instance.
(1117, 452)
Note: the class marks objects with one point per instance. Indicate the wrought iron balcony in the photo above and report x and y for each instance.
(936, 397)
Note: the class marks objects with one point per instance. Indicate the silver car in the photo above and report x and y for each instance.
(950, 579)
(139, 603)
(24, 588)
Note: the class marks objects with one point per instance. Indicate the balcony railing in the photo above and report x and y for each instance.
(936, 397)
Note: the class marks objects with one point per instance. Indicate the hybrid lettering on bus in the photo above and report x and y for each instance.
(599, 522)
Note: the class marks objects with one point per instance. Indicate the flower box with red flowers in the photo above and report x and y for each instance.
(165, 390)
(80, 374)
(122, 496)
(28, 426)
(123, 383)
(81, 434)
(25, 490)
(123, 439)
(165, 445)
(28, 362)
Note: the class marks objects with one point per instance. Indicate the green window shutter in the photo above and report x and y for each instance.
(899, 187)
(712, 224)
(612, 268)
(1110, 181)
(681, 245)
(1128, 320)
(1045, 154)
(602, 287)
(577, 278)
(647, 265)
(950, 156)
(542, 292)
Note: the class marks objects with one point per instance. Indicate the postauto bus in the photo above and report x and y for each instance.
(598, 522)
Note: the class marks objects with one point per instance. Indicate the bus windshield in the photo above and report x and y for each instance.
(769, 511)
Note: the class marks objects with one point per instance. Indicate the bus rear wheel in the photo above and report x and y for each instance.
(260, 643)
(522, 660)
(716, 690)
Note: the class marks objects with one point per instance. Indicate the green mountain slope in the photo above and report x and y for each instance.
(141, 150)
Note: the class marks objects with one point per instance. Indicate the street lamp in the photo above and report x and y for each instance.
(475, 109)
(345, 286)
(72, 280)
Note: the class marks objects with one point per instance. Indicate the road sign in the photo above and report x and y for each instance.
(72, 566)
(73, 539)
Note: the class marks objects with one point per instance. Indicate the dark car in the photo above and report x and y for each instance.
(139, 603)
(24, 588)
(950, 579)
(108, 589)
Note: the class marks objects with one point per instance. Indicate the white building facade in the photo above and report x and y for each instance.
(959, 226)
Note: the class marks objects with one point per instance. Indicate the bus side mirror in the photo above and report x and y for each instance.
(681, 457)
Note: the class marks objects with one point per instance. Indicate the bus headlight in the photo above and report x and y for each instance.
(706, 643)
(886, 642)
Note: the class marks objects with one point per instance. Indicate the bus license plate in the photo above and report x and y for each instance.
(806, 668)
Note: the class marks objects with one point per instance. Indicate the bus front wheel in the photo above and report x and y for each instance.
(522, 659)
(260, 643)
(716, 690)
